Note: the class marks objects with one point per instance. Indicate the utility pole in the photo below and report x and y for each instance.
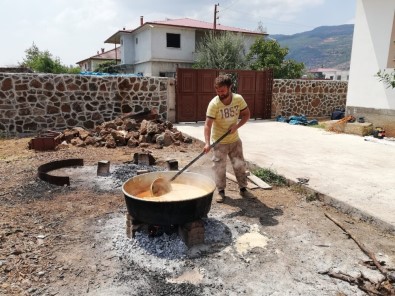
(215, 16)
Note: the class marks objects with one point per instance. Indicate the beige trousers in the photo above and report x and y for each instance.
(235, 153)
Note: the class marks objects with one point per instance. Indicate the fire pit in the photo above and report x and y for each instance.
(175, 209)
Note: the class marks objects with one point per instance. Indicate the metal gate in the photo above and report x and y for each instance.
(195, 89)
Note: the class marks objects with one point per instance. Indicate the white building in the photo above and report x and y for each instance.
(329, 74)
(158, 48)
(373, 49)
(91, 63)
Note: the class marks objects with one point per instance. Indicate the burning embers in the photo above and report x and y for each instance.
(191, 233)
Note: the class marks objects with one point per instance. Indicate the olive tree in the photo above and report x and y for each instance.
(221, 50)
(44, 62)
(268, 54)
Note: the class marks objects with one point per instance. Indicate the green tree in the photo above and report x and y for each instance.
(44, 62)
(107, 67)
(387, 77)
(268, 54)
(223, 50)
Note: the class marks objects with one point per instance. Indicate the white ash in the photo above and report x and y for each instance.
(167, 253)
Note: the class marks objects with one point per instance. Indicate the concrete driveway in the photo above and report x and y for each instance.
(349, 172)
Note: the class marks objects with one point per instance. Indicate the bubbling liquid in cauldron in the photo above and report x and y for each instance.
(179, 192)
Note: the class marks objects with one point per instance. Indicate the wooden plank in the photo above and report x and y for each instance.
(258, 181)
(233, 178)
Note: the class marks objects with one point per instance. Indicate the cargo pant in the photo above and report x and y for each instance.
(235, 153)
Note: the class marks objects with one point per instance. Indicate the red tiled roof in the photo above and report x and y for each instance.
(191, 23)
(107, 55)
(184, 22)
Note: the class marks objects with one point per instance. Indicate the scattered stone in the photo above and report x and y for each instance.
(125, 132)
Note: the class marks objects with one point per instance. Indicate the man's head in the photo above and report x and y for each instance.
(223, 80)
(222, 86)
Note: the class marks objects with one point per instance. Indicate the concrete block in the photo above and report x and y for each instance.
(192, 233)
(361, 129)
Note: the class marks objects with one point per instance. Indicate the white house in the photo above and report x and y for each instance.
(91, 63)
(329, 74)
(158, 48)
(373, 49)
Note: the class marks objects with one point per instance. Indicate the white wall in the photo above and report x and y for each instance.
(145, 68)
(371, 42)
(161, 52)
(143, 47)
(127, 56)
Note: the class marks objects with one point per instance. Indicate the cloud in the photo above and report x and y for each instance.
(87, 15)
(75, 29)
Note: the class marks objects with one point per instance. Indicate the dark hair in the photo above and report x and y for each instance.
(223, 80)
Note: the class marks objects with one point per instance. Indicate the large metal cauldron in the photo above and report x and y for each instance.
(167, 212)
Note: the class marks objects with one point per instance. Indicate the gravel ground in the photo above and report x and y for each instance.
(72, 240)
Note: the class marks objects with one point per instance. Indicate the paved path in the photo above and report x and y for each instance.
(351, 173)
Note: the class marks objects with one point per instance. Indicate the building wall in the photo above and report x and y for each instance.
(367, 96)
(36, 102)
(160, 51)
(312, 98)
(127, 42)
(143, 49)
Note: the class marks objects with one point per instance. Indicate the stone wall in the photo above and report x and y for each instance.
(36, 102)
(312, 98)
(30, 103)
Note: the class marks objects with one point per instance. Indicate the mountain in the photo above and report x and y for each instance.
(323, 47)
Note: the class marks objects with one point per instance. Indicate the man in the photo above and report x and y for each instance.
(223, 114)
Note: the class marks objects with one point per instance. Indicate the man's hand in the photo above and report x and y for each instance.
(233, 128)
(206, 148)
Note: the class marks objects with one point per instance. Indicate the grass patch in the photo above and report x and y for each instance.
(271, 177)
(320, 125)
(308, 194)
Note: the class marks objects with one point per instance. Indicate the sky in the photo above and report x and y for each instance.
(73, 30)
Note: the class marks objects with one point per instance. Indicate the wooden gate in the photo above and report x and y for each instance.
(195, 89)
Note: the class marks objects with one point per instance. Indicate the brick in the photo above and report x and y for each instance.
(192, 233)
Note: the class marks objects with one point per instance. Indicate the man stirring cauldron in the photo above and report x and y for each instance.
(223, 114)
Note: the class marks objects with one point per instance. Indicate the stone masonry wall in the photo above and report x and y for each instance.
(312, 98)
(31, 103)
(36, 102)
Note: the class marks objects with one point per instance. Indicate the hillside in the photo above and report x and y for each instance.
(327, 46)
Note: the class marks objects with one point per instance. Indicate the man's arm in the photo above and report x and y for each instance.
(207, 133)
(245, 116)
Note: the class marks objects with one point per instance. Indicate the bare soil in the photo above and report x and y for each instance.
(71, 240)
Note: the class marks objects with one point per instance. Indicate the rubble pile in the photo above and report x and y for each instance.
(127, 132)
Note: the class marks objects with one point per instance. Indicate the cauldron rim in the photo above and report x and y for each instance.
(171, 173)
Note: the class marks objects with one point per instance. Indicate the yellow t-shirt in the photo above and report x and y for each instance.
(225, 116)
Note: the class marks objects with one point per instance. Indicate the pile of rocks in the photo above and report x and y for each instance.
(127, 132)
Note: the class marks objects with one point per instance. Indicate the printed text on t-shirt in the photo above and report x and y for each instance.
(229, 112)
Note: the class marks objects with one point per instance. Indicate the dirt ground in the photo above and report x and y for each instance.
(72, 241)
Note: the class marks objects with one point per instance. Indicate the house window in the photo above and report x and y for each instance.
(173, 40)
(391, 55)
(339, 77)
(137, 40)
(167, 74)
